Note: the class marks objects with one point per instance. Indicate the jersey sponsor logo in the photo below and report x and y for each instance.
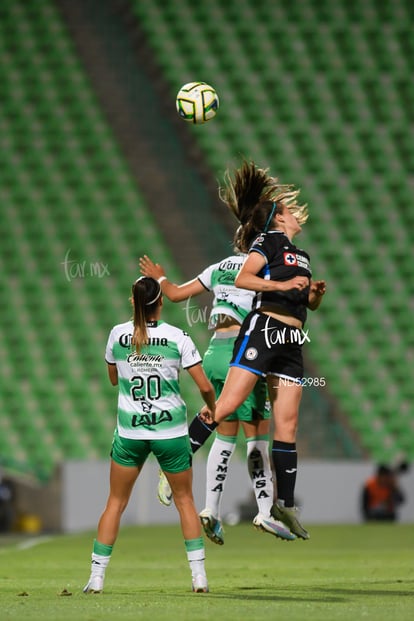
(224, 294)
(151, 361)
(303, 262)
(289, 258)
(152, 419)
(125, 340)
(228, 266)
(226, 279)
(251, 353)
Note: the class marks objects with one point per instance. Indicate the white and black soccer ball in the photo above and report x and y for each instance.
(197, 102)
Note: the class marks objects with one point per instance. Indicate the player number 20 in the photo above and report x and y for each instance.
(151, 385)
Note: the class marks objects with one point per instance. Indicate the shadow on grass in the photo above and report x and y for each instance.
(312, 594)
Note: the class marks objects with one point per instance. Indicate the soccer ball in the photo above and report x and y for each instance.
(197, 102)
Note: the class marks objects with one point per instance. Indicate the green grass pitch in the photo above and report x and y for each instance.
(347, 573)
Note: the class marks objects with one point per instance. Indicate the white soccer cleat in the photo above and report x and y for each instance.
(272, 526)
(212, 527)
(164, 490)
(95, 585)
(200, 584)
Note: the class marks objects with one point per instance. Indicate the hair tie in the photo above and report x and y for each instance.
(149, 278)
(269, 219)
(156, 297)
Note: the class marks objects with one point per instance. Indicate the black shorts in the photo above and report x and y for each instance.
(266, 345)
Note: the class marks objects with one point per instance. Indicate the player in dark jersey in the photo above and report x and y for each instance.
(241, 192)
(271, 337)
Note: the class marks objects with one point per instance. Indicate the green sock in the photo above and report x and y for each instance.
(101, 548)
(191, 545)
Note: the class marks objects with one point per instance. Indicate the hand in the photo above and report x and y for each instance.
(298, 282)
(206, 415)
(317, 288)
(149, 268)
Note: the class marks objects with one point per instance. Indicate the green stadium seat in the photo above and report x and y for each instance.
(62, 175)
(351, 208)
(311, 89)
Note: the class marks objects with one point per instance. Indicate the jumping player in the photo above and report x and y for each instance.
(230, 306)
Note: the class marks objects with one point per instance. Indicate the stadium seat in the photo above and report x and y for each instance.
(66, 245)
(321, 97)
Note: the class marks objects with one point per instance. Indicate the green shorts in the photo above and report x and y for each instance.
(173, 455)
(216, 364)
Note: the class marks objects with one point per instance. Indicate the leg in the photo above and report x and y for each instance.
(237, 387)
(254, 416)
(122, 479)
(218, 460)
(258, 461)
(285, 398)
(121, 482)
(181, 486)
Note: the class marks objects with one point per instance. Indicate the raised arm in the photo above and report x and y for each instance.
(247, 277)
(175, 293)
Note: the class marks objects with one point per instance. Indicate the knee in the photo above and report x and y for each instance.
(287, 427)
(183, 502)
(116, 505)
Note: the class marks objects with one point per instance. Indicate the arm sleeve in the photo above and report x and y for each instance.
(189, 352)
(265, 245)
(205, 277)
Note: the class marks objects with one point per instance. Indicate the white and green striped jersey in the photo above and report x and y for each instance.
(149, 402)
(228, 299)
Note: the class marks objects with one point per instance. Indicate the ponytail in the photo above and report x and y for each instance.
(146, 296)
(242, 193)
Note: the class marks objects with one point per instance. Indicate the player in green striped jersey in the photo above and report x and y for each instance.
(144, 358)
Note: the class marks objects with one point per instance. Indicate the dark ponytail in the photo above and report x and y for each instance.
(146, 295)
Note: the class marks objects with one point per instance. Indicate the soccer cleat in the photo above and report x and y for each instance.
(212, 527)
(200, 584)
(95, 585)
(288, 515)
(272, 526)
(164, 490)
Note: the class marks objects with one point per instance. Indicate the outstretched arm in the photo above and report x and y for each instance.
(175, 293)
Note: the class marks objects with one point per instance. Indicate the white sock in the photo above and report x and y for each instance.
(99, 564)
(260, 472)
(196, 561)
(218, 461)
